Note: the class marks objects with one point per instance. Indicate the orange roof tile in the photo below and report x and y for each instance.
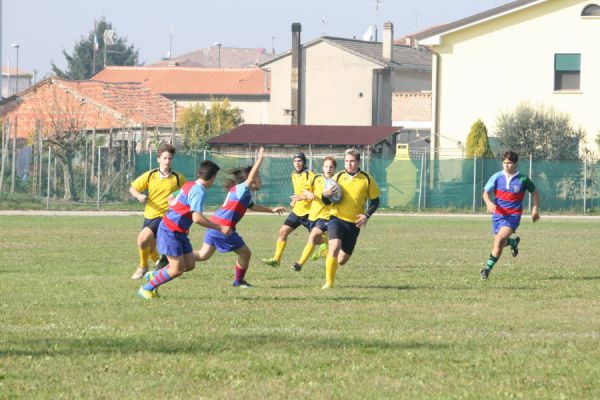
(88, 105)
(190, 81)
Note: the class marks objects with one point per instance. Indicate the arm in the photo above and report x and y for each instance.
(254, 171)
(261, 208)
(535, 215)
(361, 219)
(306, 195)
(491, 207)
(139, 196)
(201, 220)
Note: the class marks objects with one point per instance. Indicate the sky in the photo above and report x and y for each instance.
(44, 28)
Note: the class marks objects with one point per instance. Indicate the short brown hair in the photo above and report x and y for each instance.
(329, 158)
(166, 147)
(511, 156)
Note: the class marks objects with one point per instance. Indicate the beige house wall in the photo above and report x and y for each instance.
(490, 68)
(338, 88)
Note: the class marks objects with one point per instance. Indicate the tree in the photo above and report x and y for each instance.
(478, 144)
(544, 133)
(197, 124)
(80, 64)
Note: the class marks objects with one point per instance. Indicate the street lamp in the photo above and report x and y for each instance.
(218, 44)
(16, 46)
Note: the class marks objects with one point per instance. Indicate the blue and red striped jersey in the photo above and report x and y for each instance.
(190, 199)
(238, 200)
(509, 192)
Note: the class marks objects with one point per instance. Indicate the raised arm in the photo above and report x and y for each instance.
(535, 215)
(256, 166)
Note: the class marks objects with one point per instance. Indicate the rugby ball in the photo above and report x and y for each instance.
(329, 183)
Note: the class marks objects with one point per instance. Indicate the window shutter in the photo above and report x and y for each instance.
(567, 62)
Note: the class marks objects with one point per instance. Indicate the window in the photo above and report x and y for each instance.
(591, 10)
(567, 71)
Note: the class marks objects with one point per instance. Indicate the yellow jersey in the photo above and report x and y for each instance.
(301, 182)
(318, 210)
(159, 188)
(356, 190)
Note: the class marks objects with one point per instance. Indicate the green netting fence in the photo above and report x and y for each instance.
(422, 184)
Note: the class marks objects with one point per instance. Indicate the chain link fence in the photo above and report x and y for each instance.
(100, 175)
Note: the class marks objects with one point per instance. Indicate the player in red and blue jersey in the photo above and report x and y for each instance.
(509, 187)
(239, 199)
(172, 239)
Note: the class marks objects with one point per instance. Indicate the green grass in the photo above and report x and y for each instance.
(409, 317)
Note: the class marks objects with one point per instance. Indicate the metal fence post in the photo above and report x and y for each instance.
(48, 188)
(584, 184)
(421, 181)
(474, 180)
(530, 177)
(98, 194)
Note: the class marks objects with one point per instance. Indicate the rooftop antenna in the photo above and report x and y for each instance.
(171, 41)
(323, 26)
(377, 3)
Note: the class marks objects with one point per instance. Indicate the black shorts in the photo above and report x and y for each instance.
(319, 223)
(294, 221)
(152, 224)
(346, 231)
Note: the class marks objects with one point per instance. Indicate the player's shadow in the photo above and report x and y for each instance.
(387, 287)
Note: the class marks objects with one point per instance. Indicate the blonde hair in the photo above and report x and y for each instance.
(354, 153)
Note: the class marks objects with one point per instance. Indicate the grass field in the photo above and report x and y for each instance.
(409, 317)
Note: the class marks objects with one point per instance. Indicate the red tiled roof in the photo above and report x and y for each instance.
(88, 105)
(131, 100)
(190, 81)
(306, 134)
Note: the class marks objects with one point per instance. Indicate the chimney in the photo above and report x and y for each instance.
(388, 40)
(296, 71)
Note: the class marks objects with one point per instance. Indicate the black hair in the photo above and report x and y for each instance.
(238, 175)
(207, 170)
(511, 156)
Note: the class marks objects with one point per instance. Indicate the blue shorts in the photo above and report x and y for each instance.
(319, 223)
(222, 242)
(346, 231)
(294, 221)
(498, 221)
(172, 244)
(152, 224)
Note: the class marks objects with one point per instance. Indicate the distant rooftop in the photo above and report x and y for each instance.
(229, 57)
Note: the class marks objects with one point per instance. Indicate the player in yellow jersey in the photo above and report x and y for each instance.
(348, 215)
(319, 213)
(153, 188)
(300, 202)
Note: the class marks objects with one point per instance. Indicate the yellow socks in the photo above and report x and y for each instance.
(144, 257)
(279, 250)
(308, 249)
(153, 253)
(331, 265)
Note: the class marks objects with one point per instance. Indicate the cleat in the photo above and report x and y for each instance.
(297, 267)
(326, 286)
(485, 272)
(148, 276)
(271, 261)
(146, 294)
(317, 254)
(515, 249)
(139, 273)
(241, 283)
(162, 262)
